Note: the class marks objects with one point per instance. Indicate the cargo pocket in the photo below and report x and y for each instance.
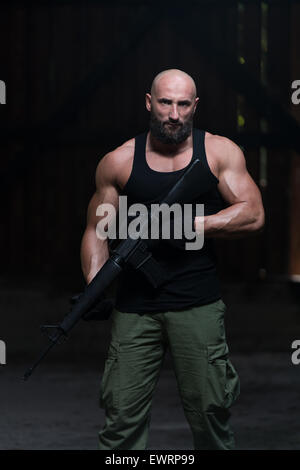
(109, 387)
(232, 386)
(222, 385)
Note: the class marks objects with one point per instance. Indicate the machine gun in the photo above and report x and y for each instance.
(129, 252)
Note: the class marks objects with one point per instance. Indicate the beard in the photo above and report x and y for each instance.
(166, 135)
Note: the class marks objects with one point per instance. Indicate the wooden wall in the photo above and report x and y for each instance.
(76, 76)
(294, 192)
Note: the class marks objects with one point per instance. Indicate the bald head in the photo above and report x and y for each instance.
(174, 78)
(172, 104)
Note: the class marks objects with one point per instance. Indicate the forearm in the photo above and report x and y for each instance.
(94, 253)
(235, 221)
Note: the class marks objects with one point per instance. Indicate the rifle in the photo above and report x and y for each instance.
(129, 252)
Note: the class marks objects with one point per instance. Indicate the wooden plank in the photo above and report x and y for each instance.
(278, 80)
(18, 114)
(250, 249)
(5, 148)
(294, 194)
(224, 33)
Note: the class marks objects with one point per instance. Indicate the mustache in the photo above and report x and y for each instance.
(162, 130)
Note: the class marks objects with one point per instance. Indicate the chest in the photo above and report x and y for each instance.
(170, 163)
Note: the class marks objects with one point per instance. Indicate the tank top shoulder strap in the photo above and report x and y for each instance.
(199, 150)
(196, 143)
(199, 147)
(139, 159)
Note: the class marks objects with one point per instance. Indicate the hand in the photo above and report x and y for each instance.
(178, 223)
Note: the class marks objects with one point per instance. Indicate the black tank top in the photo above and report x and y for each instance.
(191, 275)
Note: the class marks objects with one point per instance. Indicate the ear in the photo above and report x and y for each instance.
(196, 103)
(148, 101)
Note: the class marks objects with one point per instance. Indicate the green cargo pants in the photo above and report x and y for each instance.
(207, 381)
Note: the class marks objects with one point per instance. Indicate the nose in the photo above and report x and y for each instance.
(173, 116)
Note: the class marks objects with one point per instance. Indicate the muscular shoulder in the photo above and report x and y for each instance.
(113, 167)
(223, 152)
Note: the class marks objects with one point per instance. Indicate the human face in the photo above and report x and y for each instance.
(172, 107)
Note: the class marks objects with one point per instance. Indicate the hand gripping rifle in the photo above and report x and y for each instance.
(132, 252)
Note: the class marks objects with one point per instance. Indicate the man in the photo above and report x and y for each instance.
(187, 313)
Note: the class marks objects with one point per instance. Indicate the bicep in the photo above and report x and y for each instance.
(106, 194)
(235, 183)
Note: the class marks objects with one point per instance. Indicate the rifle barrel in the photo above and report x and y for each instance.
(44, 353)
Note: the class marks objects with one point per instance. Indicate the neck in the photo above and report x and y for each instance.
(154, 145)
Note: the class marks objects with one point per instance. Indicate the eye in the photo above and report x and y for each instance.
(164, 101)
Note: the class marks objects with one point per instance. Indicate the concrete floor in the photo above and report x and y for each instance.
(58, 407)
